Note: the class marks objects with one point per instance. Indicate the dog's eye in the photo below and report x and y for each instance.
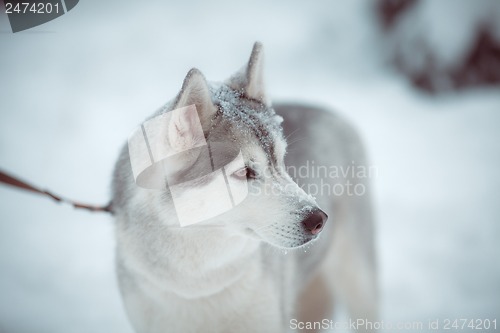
(244, 173)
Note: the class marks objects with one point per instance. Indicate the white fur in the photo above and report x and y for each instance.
(229, 273)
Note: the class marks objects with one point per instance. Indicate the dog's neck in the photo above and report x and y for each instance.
(193, 262)
(209, 260)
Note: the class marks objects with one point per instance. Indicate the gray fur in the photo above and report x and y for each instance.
(230, 274)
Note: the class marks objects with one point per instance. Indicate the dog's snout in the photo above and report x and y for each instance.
(315, 221)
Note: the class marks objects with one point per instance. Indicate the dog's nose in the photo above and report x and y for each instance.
(315, 221)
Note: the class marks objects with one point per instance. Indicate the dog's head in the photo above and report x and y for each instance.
(238, 124)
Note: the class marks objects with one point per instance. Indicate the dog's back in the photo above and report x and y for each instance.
(337, 173)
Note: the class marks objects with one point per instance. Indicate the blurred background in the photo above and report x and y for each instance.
(420, 79)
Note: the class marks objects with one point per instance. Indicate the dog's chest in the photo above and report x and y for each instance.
(246, 306)
(241, 310)
(253, 303)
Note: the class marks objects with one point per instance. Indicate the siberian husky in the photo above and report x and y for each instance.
(271, 263)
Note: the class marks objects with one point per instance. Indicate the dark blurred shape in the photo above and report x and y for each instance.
(410, 50)
(482, 64)
(389, 10)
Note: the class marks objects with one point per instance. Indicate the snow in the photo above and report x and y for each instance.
(73, 89)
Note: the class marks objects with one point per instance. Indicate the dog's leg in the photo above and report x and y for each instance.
(350, 263)
(354, 283)
(315, 302)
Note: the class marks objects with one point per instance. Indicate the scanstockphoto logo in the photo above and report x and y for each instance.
(24, 15)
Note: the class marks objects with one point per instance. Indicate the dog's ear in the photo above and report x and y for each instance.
(184, 129)
(195, 91)
(191, 116)
(251, 78)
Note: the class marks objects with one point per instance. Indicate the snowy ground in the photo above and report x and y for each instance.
(73, 89)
